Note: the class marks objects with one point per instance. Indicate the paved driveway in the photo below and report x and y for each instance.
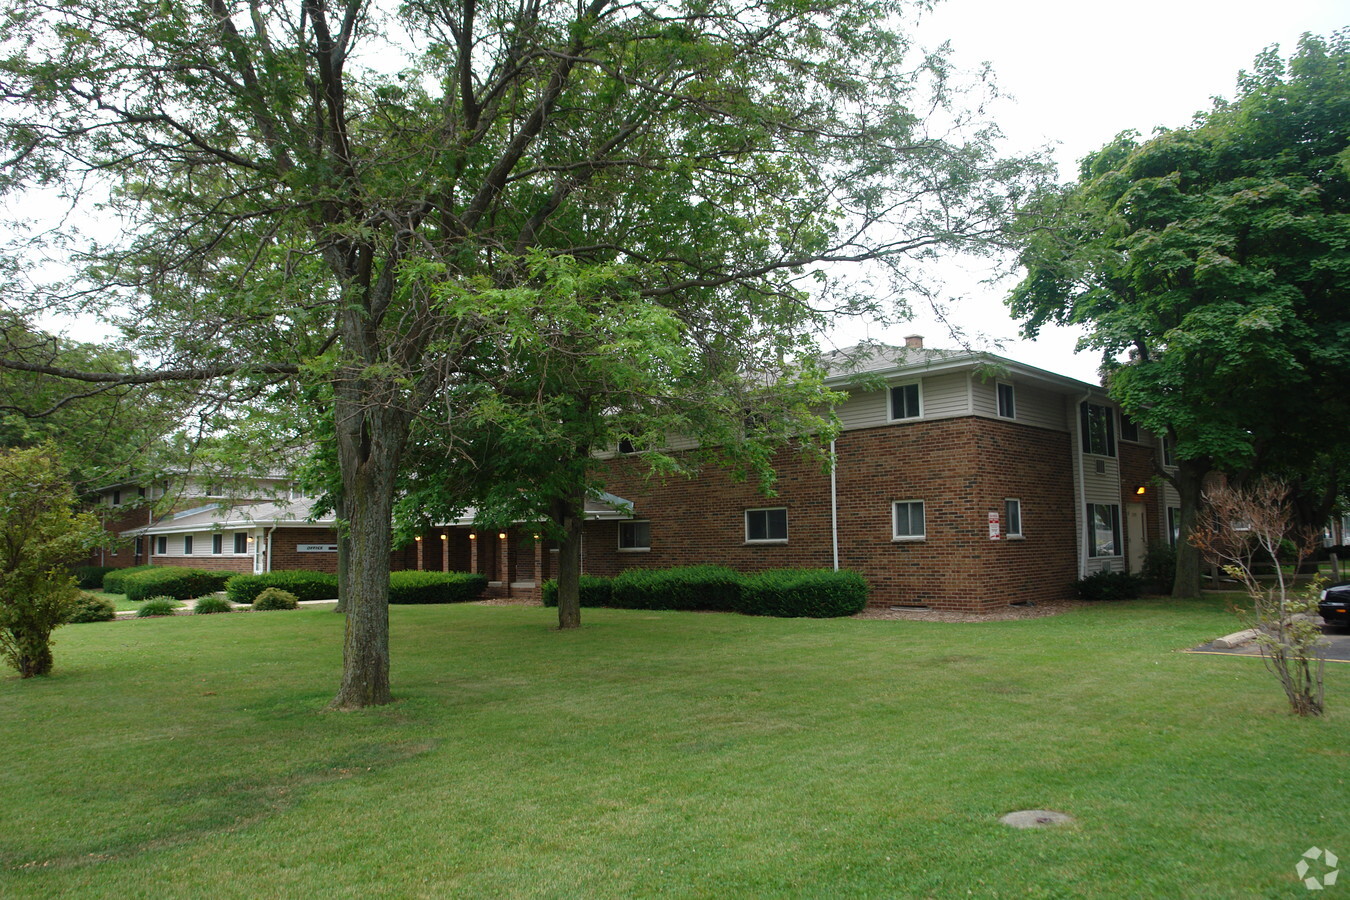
(1338, 647)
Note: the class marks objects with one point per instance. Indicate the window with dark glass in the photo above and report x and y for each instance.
(217, 543)
(1129, 429)
(1012, 517)
(635, 535)
(766, 524)
(1007, 402)
(240, 542)
(905, 402)
(162, 545)
(1099, 430)
(907, 521)
(1173, 525)
(1103, 523)
(187, 545)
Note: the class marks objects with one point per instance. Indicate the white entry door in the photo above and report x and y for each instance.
(1135, 535)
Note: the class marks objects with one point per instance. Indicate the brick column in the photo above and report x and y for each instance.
(418, 541)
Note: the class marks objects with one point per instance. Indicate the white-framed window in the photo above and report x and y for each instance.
(1099, 429)
(1169, 458)
(1103, 529)
(116, 498)
(906, 401)
(1007, 400)
(162, 545)
(1173, 525)
(907, 521)
(1012, 517)
(215, 490)
(635, 536)
(240, 542)
(217, 544)
(763, 525)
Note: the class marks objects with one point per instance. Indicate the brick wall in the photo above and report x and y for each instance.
(210, 563)
(285, 556)
(960, 468)
(1136, 468)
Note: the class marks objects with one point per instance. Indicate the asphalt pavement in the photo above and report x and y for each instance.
(1338, 647)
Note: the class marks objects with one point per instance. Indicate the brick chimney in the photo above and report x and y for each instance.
(914, 342)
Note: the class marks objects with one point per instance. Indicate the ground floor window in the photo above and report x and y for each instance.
(907, 521)
(1103, 523)
(162, 545)
(187, 545)
(1012, 517)
(140, 546)
(766, 524)
(1173, 525)
(635, 535)
(217, 543)
(240, 542)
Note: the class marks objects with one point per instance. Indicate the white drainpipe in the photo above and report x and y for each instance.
(834, 504)
(267, 566)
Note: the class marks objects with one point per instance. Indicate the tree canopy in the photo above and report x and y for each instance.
(1213, 259)
(336, 192)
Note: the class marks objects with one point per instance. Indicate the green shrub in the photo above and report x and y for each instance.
(1108, 586)
(303, 584)
(683, 587)
(814, 593)
(1160, 567)
(157, 606)
(91, 577)
(274, 598)
(594, 590)
(209, 605)
(114, 582)
(435, 587)
(171, 581)
(88, 608)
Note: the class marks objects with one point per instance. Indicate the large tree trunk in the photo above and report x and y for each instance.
(1190, 482)
(570, 516)
(370, 445)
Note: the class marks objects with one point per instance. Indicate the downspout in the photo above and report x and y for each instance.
(267, 567)
(834, 504)
(1080, 489)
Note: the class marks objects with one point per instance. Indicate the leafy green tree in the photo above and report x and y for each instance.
(1214, 258)
(40, 535)
(306, 189)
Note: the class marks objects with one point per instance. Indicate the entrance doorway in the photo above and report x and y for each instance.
(1135, 536)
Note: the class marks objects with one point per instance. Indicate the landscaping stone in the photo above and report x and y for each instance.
(1036, 818)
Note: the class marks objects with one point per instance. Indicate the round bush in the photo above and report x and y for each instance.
(274, 598)
(157, 606)
(208, 605)
(88, 608)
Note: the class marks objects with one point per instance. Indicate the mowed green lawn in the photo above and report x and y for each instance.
(672, 754)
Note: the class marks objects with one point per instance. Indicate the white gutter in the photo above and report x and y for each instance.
(1080, 488)
(834, 504)
(268, 565)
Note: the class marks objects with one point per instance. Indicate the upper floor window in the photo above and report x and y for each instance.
(626, 445)
(1168, 457)
(906, 402)
(766, 524)
(117, 498)
(1099, 430)
(215, 490)
(1007, 401)
(907, 521)
(635, 535)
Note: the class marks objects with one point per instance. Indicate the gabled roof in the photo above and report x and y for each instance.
(252, 515)
(873, 359)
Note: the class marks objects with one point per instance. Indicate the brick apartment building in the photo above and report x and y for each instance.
(962, 481)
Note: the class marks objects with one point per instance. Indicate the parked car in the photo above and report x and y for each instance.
(1335, 605)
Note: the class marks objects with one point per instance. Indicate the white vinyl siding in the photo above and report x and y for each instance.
(945, 396)
(864, 409)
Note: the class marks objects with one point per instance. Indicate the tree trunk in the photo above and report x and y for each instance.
(570, 515)
(33, 651)
(1190, 481)
(370, 445)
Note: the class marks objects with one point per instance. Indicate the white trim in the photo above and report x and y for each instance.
(770, 540)
(619, 536)
(890, 400)
(1010, 534)
(998, 399)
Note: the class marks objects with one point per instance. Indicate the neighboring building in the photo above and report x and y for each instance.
(963, 481)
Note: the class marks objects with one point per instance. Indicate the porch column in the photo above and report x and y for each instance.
(445, 550)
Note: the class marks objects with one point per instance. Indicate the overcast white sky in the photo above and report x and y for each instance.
(1081, 71)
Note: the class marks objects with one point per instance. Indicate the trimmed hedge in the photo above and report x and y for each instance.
(171, 581)
(88, 608)
(115, 582)
(595, 591)
(812, 593)
(91, 577)
(1109, 586)
(682, 587)
(303, 584)
(274, 598)
(435, 587)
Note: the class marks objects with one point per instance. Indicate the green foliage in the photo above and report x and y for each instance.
(595, 591)
(210, 605)
(115, 582)
(88, 608)
(91, 577)
(1106, 585)
(274, 598)
(435, 587)
(1160, 566)
(303, 584)
(815, 593)
(157, 606)
(40, 536)
(682, 587)
(172, 581)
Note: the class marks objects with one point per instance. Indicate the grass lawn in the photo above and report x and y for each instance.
(676, 754)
